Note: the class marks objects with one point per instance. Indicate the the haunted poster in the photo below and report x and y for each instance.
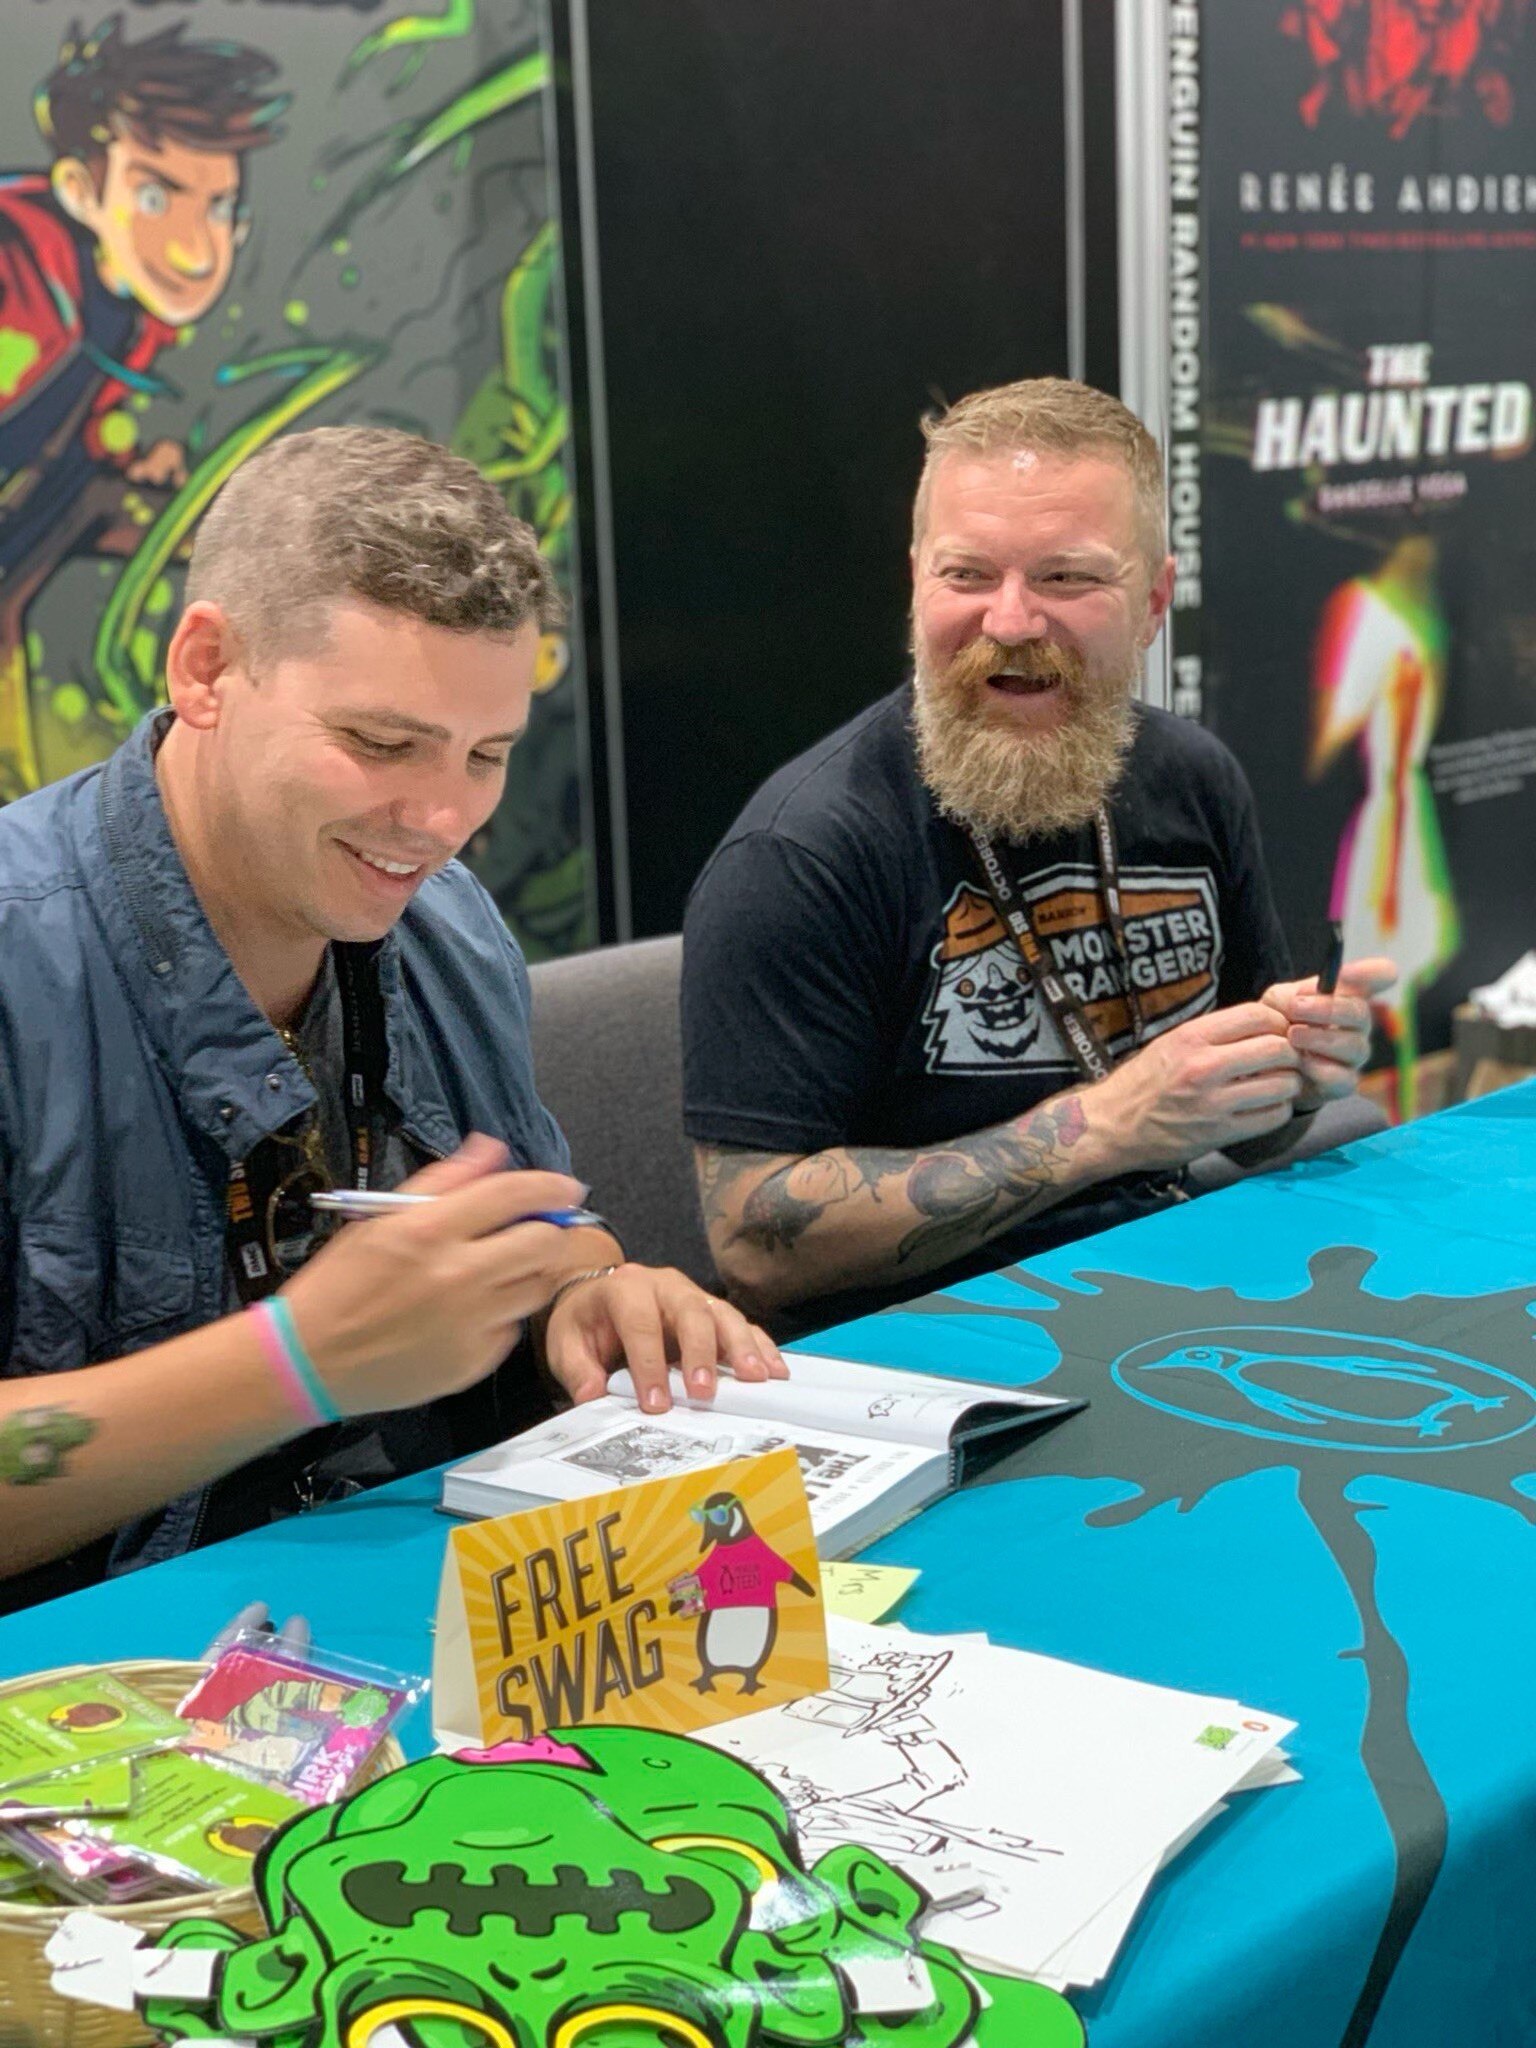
(1354, 329)
(219, 222)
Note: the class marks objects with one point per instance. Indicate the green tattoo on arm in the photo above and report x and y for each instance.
(35, 1442)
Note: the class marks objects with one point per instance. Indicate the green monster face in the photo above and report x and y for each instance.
(602, 1888)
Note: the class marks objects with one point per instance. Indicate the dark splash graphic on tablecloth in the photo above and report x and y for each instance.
(1335, 1383)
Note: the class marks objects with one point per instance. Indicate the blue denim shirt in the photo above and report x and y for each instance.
(135, 1070)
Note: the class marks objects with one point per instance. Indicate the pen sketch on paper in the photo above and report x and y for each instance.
(897, 1789)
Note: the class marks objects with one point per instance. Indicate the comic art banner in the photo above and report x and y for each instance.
(1353, 487)
(222, 222)
(670, 1603)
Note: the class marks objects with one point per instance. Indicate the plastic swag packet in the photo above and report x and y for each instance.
(191, 1822)
(85, 1871)
(17, 1875)
(105, 1786)
(304, 1724)
(87, 1717)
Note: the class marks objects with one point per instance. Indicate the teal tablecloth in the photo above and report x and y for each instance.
(1307, 1478)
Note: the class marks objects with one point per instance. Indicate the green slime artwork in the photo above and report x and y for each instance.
(597, 1888)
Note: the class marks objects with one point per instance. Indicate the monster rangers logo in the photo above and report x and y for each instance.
(983, 1015)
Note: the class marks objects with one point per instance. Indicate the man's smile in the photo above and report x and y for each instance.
(1014, 681)
(386, 871)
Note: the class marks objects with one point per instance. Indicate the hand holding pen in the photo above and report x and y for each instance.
(1328, 1019)
(352, 1203)
(434, 1293)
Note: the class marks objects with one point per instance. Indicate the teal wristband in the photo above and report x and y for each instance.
(281, 1317)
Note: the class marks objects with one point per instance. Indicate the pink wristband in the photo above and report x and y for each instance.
(270, 1337)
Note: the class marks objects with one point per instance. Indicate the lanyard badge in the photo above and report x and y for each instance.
(270, 1225)
(1083, 1041)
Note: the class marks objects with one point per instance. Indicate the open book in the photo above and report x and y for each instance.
(875, 1445)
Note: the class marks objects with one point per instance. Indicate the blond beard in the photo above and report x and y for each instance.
(982, 770)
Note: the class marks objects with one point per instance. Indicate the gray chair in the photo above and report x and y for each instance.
(608, 1057)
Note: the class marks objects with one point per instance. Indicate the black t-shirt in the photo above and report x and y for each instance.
(846, 980)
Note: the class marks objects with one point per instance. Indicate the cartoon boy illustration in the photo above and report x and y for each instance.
(128, 238)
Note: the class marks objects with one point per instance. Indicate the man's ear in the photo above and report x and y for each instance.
(75, 190)
(203, 654)
(1159, 597)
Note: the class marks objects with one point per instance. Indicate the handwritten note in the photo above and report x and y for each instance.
(864, 1592)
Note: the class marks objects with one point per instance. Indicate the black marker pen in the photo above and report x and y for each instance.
(1328, 978)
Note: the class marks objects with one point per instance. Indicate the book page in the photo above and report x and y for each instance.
(609, 1443)
(856, 1400)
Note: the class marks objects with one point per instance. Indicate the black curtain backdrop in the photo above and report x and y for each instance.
(814, 223)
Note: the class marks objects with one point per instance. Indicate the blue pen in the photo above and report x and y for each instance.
(372, 1202)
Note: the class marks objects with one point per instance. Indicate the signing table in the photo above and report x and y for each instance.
(1307, 1478)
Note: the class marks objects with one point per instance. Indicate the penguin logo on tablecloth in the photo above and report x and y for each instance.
(737, 1579)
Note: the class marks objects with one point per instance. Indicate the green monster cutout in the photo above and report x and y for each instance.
(597, 1888)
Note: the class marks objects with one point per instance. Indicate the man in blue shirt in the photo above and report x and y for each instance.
(238, 962)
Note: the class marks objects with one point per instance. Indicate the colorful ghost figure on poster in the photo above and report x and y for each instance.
(124, 242)
(594, 1888)
(1378, 678)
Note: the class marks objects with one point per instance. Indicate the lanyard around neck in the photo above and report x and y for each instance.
(1071, 1019)
(252, 1182)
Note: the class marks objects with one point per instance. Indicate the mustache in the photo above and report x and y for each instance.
(1037, 661)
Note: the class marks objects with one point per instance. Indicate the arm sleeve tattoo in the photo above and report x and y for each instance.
(937, 1204)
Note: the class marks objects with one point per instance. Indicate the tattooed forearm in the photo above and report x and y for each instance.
(779, 1210)
(785, 1227)
(996, 1177)
(35, 1442)
(719, 1170)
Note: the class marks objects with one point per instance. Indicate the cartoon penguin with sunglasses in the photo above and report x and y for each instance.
(737, 1579)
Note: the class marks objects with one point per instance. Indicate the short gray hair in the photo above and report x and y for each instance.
(371, 513)
(1049, 416)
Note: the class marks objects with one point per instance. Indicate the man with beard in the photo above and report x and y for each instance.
(988, 968)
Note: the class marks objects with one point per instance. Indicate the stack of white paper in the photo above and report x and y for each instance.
(1033, 1800)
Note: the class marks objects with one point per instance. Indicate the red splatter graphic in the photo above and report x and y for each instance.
(1404, 60)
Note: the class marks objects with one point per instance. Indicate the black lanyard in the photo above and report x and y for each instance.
(254, 1182)
(1071, 1019)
